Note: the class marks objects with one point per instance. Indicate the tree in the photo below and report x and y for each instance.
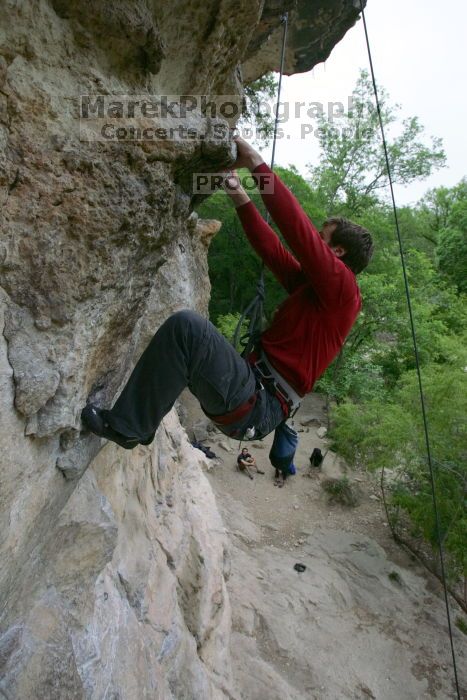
(389, 433)
(257, 95)
(451, 251)
(352, 170)
(233, 265)
(435, 208)
(452, 256)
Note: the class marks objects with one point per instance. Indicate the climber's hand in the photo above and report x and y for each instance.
(233, 187)
(231, 181)
(247, 157)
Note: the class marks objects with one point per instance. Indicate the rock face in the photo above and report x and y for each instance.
(112, 579)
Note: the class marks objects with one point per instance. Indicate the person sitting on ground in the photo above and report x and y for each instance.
(245, 461)
(306, 333)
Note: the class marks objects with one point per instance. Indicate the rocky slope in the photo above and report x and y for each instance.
(112, 582)
(364, 620)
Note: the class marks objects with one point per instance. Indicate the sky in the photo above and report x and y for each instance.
(420, 57)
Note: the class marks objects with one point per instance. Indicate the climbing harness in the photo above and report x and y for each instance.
(415, 347)
(235, 415)
(269, 377)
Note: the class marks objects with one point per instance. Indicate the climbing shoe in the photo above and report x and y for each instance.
(148, 440)
(94, 419)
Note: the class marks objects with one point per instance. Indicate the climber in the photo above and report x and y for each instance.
(249, 398)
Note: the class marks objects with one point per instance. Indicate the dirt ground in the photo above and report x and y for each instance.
(375, 618)
(302, 503)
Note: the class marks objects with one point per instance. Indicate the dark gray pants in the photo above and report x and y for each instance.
(188, 351)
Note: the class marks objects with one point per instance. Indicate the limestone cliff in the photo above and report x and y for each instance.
(112, 582)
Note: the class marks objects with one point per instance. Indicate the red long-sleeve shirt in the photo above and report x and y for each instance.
(311, 325)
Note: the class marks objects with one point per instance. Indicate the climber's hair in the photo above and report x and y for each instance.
(355, 240)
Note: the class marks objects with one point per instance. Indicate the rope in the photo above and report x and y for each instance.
(254, 310)
(284, 21)
(415, 346)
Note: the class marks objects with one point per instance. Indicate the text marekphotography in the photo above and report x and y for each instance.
(114, 118)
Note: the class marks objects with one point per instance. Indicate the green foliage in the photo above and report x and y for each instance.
(352, 169)
(227, 325)
(395, 577)
(441, 219)
(258, 94)
(377, 422)
(310, 201)
(233, 265)
(461, 624)
(436, 206)
(390, 434)
(380, 346)
(452, 247)
(340, 491)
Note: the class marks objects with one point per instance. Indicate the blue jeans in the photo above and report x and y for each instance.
(188, 351)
